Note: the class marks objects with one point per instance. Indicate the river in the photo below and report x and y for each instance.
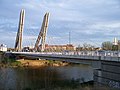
(37, 78)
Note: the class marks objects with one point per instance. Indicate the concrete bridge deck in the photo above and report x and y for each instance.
(67, 56)
(93, 60)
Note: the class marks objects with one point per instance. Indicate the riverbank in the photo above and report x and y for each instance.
(32, 63)
(41, 63)
(5, 61)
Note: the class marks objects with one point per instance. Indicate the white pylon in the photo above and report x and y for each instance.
(18, 43)
(42, 34)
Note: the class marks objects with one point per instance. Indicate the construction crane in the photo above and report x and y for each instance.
(18, 43)
(42, 34)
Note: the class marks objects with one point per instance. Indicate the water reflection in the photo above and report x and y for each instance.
(44, 77)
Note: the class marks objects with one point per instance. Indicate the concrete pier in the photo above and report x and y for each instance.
(108, 75)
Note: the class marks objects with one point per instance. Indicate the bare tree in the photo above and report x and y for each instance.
(88, 47)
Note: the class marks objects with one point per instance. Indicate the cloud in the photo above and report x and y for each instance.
(87, 20)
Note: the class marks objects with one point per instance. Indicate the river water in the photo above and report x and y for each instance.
(37, 78)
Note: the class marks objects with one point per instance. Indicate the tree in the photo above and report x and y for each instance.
(79, 48)
(88, 47)
(107, 45)
(115, 47)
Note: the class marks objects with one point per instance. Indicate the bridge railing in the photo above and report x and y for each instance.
(80, 53)
(106, 55)
(97, 55)
(94, 53)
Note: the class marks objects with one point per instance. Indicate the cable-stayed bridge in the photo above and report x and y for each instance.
(106, 62)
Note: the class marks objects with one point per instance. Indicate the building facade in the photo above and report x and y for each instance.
(59, 48)
(3, 47)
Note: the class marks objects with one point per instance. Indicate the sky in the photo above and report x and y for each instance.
(87, 21)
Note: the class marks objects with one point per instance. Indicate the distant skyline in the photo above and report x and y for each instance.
(89, 21)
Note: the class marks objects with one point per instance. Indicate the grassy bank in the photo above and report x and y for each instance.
(11, 62)
(39, 63)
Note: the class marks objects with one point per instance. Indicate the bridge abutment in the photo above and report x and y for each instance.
(108, 75)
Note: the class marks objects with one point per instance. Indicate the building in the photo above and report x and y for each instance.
(3, 47)
(58, 48)
(115, 42)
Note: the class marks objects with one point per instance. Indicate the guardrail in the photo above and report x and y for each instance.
(108, 56)
(81, 53)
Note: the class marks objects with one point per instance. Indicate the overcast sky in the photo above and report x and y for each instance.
(89, 21)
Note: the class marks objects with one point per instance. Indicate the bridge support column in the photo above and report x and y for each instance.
(42, 34)
(18, 43)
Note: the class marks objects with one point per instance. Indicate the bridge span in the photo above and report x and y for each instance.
(106, 66)
(92, 59)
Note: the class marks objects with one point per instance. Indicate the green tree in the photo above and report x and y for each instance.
(107, 45)
(115, 47)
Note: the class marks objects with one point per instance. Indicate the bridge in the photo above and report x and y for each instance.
(106, 68)
(92, 58)
(105, 63)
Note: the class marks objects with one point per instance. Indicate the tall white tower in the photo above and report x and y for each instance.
(115, 42)
(18, 43)
(42, 33)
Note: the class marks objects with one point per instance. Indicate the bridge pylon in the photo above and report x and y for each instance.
(18, 43)
(42, 34)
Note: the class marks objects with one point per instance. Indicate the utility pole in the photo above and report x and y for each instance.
(18, 43)
(69, 38)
